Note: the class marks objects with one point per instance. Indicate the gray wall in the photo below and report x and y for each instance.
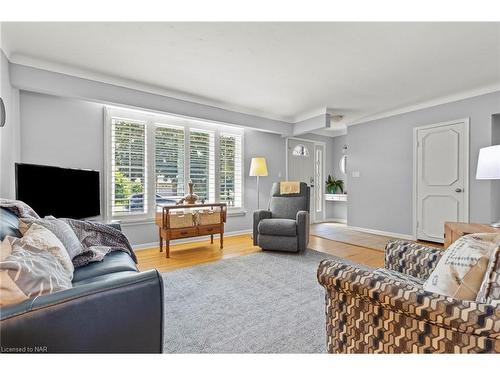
(9, 134)
(381, 150)
(69, 133)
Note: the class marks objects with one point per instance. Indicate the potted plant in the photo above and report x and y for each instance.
(333, 186)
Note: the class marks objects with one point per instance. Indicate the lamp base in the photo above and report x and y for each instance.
(495, 225)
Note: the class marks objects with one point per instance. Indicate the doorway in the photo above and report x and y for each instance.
(305, 162)
(441, 177)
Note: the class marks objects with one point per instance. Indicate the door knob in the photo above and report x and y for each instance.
(458, 190)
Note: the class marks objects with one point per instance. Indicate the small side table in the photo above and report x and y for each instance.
(453, 231)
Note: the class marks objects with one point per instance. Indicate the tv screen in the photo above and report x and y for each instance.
(60, 192)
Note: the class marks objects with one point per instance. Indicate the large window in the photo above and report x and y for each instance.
(151, 158)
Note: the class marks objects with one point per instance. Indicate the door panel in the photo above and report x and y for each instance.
(442, 168)
(319, 198)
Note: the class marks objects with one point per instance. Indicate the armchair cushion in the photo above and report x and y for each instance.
(278, 227)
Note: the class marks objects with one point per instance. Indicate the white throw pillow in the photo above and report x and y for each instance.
(462, 268)
(5, 248)
(43, 239)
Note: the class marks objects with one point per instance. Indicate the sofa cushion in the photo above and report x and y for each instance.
(116, 261)
(9, 224)
(110, 277)
(278, 227)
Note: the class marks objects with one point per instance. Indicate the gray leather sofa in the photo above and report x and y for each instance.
(285, 225)
(112, 308)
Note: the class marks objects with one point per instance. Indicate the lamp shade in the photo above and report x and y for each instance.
(488, 164)
(258, 167)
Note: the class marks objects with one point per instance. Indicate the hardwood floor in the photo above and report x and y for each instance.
(191, 254)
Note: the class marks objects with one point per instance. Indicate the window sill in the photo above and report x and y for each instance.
(236, 212)
(126, 222)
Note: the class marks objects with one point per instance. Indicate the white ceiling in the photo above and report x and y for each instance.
(278, 70)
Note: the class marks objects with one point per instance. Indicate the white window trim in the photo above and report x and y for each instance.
(151, 120)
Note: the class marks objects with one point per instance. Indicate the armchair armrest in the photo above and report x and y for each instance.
(411, 258)
(118, 313)
(258, 215)
(302, 219)
(380, 291)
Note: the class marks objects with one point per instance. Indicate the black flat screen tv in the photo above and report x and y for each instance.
(60, 192)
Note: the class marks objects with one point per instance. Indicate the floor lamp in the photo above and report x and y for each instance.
(488, 167)
(258, 168)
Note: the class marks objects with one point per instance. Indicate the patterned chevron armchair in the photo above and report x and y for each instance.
(387, 311)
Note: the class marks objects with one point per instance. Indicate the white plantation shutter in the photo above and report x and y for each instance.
(150, 157)
(169, 162)
(230, 169)
(202, 163)
(128, 167)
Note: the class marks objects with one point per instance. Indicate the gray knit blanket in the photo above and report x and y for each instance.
(97, 239)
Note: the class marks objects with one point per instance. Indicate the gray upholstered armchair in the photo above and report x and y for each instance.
(285, 225)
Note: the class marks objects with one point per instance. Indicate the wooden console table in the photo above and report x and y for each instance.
(167, 233)
(453, 231)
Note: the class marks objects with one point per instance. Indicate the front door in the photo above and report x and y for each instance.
(442, 177)
(301, 156)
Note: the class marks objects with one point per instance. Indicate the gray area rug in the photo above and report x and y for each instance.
(265, 302)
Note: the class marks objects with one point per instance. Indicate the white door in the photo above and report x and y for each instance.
(300, 165)
(442, 194)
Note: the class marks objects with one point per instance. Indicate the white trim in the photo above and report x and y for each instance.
(151, 245)
(466, 122)
(384, 233)
(335, 220)
(427, 104)
(75, 72)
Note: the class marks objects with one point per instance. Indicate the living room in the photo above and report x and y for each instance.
(214, 190)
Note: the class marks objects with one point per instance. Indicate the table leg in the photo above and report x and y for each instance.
(167, 248)
(211, 238)
(222, 240)
(161, 242)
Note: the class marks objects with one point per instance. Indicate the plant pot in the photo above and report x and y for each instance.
(331, 190)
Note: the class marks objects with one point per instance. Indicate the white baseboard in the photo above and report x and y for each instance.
(384, 233)
(150, 245)
(335, 220)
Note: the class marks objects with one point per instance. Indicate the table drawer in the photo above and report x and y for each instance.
(208, 229)
(182, 233)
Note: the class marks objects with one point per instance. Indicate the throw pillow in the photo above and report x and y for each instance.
(42, 238)
(29, 272)
(61, 229)
(5, 247)
(490, 288)
(461, 270)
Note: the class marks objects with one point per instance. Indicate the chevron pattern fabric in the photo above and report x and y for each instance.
(381, 312)
(411, 258)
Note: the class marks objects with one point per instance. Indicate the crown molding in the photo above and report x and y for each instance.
(428, 104)
(136, 85)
